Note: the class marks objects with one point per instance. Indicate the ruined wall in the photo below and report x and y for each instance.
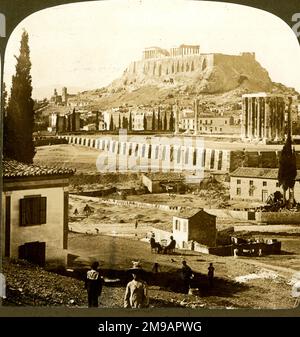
(159, 67)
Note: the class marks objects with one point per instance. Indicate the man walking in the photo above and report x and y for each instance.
(93, 285)
(187, 275)
(210, 275)
(136, 294)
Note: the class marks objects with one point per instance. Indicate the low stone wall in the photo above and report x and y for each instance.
(228, 213)
(278, 217)
(161, 234)
(131, 203)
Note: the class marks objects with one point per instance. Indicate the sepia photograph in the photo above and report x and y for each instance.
(151, 158)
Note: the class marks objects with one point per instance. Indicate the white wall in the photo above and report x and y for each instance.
(179, 235)
(51, 232)
(258, 188)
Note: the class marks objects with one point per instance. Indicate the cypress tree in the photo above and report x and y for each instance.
(145, 122)
(165, 122)
(153, 120)
(124, 123)
(120, 126)
(158, 120)
(130, 122)
(171, 123)
(287, 171)
(19, 122)
(111, 123)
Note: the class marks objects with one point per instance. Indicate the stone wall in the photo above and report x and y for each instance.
(278, 217)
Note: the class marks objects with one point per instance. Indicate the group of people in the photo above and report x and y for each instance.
(136, 293)
(159, 248)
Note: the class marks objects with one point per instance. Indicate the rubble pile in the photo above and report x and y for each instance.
(33, 286)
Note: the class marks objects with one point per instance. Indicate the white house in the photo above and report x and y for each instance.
(34, 212)
(194, 225)
(252, 183)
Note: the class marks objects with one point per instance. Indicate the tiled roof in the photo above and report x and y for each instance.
(189, 212)
(15, 169)
(168, 176)
(256, 172)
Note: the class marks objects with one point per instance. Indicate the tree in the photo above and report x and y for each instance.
(165, 122)
(120, 122)
(158, 120)
(145, 122)
(111, 123)
(125, 123)
(287, 166)
(130, 122)
(171, 123)
(19, 122)
(153, 120)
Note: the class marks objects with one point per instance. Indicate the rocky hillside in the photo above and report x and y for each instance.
(206, 73)
(209, 76)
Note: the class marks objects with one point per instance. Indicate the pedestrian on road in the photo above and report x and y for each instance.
(155, 268)
(93, 285)
(210, 275)
(187, 275)
(136, 294)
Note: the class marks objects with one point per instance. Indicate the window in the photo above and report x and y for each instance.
(33, 211)
(184, 227)
(238, 191)
(264, 183)
(250, 192)
(277, 184)
(238, 181)
(225, 121)
(221, 129)
(251, 182)
(177, 225)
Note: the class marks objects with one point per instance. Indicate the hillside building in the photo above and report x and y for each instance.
(257, 184)
(194, 225)
(163, 182)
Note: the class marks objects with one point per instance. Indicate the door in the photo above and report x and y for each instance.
(34, 252)
(264, 195)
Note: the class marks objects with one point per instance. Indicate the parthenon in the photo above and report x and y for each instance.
(263, 117)
(182, 50)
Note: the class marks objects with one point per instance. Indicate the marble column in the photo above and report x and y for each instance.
(250, 132)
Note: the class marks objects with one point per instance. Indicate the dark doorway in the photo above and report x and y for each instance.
(34, 252)
(251, 215)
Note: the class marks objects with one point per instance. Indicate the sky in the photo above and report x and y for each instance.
(87, 45)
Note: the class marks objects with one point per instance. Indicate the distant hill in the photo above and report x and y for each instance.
(162, 80)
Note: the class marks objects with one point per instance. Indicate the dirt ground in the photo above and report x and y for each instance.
(109, 235)
(239, 282)
(83, 159)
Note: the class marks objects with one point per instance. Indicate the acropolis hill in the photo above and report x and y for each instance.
(197, 72)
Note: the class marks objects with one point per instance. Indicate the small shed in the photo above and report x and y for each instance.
(194, 225)
(158, 182)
